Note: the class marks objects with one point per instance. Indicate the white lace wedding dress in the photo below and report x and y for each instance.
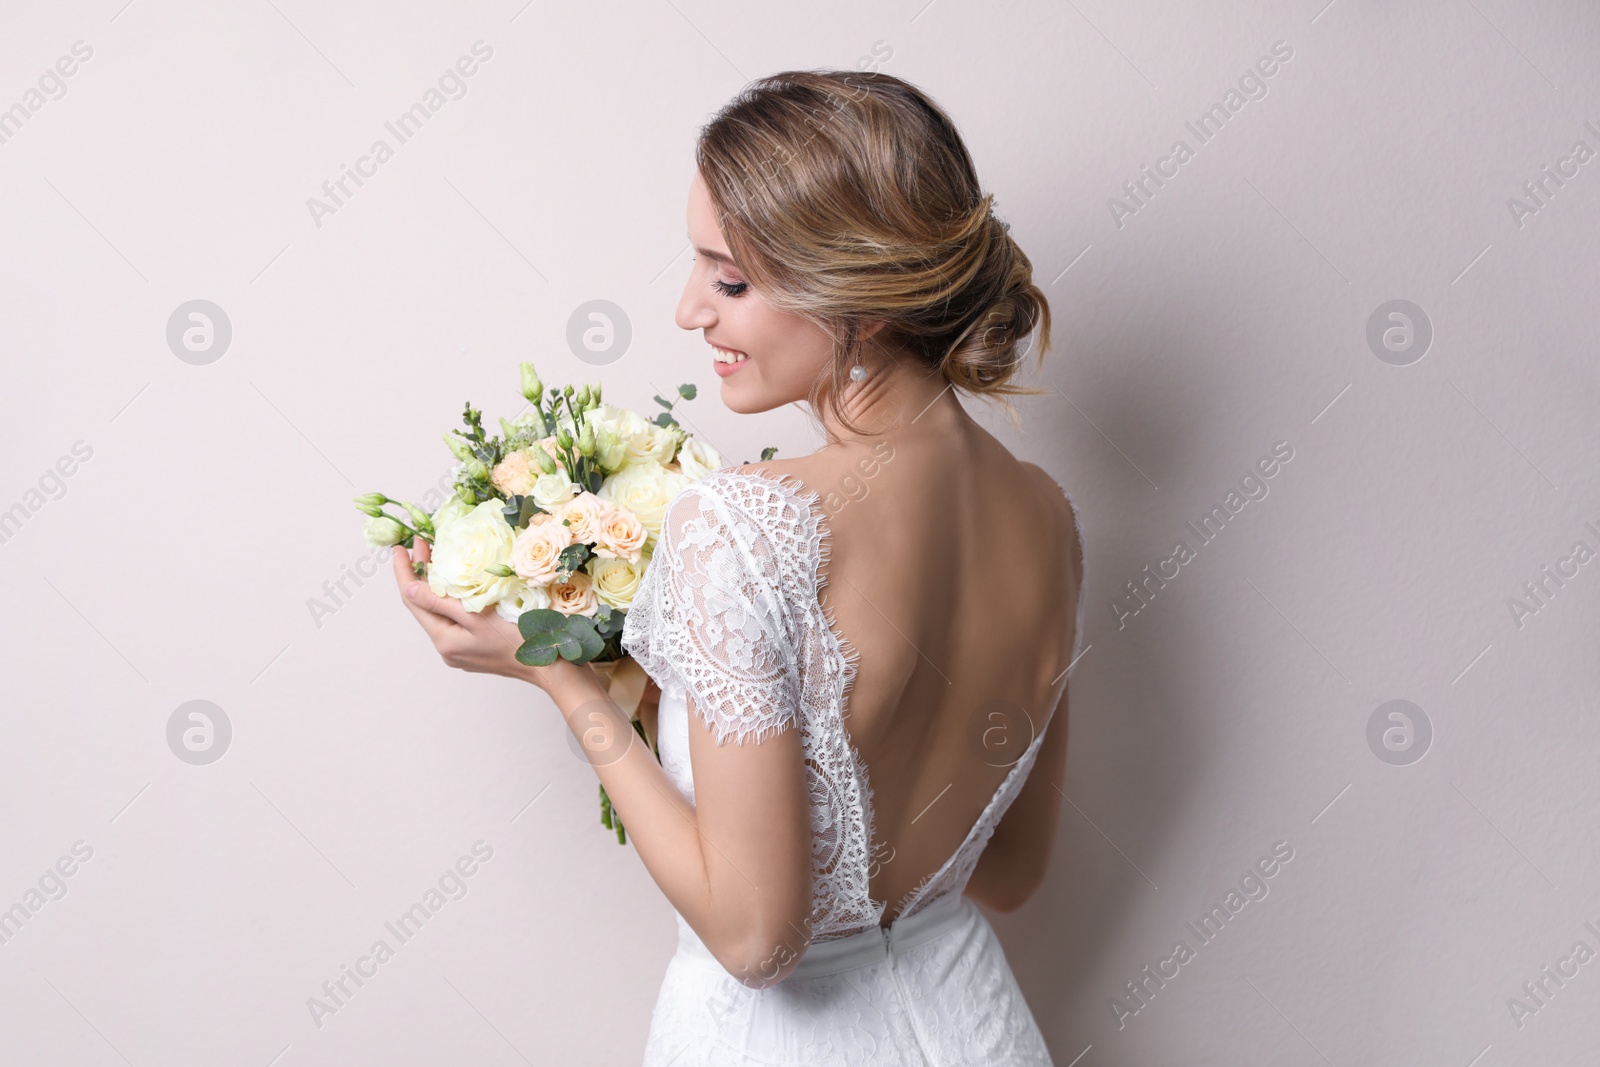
(728, 609)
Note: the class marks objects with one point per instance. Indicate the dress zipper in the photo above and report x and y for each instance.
(911, 1015)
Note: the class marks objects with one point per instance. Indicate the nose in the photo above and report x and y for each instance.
(695, 311)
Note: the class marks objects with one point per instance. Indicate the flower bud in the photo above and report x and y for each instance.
(532, 387)
(372, 499)
(458, 446)
(382, 530)
(547, 462)
(371, 509)
(566, 390)
(500, 570)
(475, 468)
(586, 441)
(563, 438)
(421, 518)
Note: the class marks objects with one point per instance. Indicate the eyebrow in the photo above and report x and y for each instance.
(717, 256)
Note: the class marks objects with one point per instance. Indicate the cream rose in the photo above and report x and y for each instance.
(644, 488)
(535, 552)
(621, 534)
(465, 550)
(523, 597)
(697, 459)
(616, 581)
(574, 596)
(583, 515)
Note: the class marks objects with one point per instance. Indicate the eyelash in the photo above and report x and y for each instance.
(729, 289)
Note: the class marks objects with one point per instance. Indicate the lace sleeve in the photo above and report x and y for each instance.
(711, 616)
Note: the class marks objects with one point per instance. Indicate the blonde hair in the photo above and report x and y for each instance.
(848, 197)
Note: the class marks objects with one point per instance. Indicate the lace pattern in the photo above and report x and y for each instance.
(729, 611)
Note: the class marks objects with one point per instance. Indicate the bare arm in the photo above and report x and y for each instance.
(736, 864)
(738, 868)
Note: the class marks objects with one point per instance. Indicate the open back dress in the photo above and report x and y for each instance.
(728, 610)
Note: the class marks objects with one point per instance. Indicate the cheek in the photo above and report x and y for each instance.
(794, 351)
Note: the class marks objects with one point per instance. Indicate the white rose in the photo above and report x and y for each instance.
(644, 488)
(641, 441)
(550, 490)
(616, 581)
(464, 551)
(523, 597)
(697, 458)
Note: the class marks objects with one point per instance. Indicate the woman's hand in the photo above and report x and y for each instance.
(480, 642)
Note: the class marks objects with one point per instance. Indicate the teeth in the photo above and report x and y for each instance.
(725, 356)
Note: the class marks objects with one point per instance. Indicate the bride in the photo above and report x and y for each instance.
(861, 653)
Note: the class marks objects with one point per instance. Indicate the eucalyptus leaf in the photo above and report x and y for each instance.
(533, 655)
(539, 622)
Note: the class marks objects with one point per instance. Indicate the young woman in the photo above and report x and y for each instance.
(861, 653)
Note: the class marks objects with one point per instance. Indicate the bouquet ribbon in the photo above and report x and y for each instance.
(626, 682)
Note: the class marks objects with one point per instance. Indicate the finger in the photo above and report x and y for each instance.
(448, 607)
(401, 565)
(424, 549)
(404, 575)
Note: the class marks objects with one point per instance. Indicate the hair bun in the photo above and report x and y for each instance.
(988, 353)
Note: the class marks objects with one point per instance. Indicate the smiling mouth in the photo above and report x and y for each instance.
(727, 355)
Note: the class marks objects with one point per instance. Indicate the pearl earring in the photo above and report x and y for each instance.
(858, 373)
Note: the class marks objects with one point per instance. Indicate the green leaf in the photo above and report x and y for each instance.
(572, 557)
(533, 655)
(540, 622)
(526, 510)
(665, 419)
(687, 390)
(664, 403)
(768, 452)
(590, 644)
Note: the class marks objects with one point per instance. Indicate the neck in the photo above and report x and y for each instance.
(896, 393)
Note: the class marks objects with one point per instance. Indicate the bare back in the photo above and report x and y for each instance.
(954, 573)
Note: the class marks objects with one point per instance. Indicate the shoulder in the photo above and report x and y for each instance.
(1052, 490)
(1065, 510)
(760, 509)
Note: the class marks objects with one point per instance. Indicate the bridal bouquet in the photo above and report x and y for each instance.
(553, 521)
